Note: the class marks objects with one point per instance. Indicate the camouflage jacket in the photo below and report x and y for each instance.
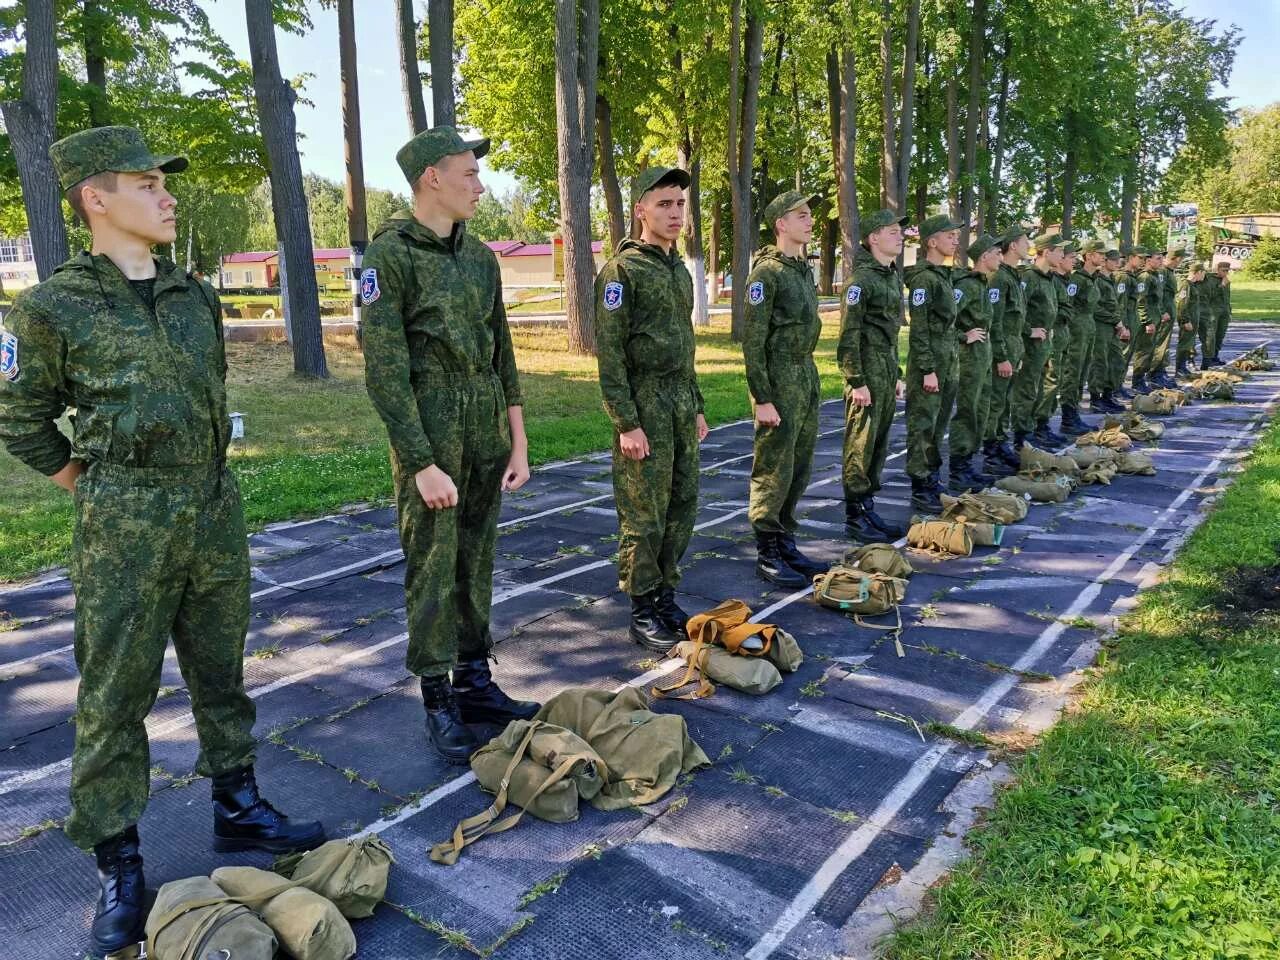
(432, 312)
(1191, 301)
(1217, 295)
(1171, 283)
(1126, 297)
(1150, 288)
(1008, 311)
(644, 327)
(973, 304)
(147, 384)
(931, 344)
(1107, 309)
(1066, 289)
(1041, 300)
(782, 321)
(872, 316)
(1084, 298)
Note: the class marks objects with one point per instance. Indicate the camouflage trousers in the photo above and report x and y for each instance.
(866, 429)
(156, 552)
(1102, 363)
(784, 454)
(1221, 324)
(1055, 372)
(973, 398)
(448, 572)
(1028, 383)
(999, 411)
(1158, 359)
(1075, 366)
(928, 416)
(657, 497)
(1122, 354)
(1187, 340)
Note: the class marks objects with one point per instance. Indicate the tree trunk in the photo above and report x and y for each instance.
(713, 247)
(1128, 203)
(95, 64)
(845, 157)
(689, 156)
(275, 99)
(577, 63)
(357, 218)
(977, 49)
(1068, 181)
(827, 256)
(440, 37)
(997, 148)
(609, 173)
(410, 74)
(906, 136)
(30, 123)
(766, 185)
(952, 135)
(744, 102)
(888, 105)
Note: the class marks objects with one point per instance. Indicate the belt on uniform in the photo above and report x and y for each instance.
(184, 473)
(452, 378)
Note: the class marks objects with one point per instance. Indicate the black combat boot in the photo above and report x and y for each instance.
(118, 918)
(858, 525)
(1009, 456)
(242, 820)
(963, 477)
(1021, 437)
(924, 498)
(664, 601)
(1140, 385)
(446, 730)
(1120, 394)
(1163, 379)
(888, 531)
(1046, 439)
(1072, 423)
(1183, 369)
(771, 566)
(935, 480)
(647, 626)
(1108, 403)
(796, 560)
(993, 463)
(480, 700)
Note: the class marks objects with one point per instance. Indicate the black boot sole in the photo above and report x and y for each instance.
(239, 844)
(497, 717)
(657, 646)
(865, 536)
(782, 580)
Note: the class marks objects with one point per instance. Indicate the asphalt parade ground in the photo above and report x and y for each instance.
(830, 801)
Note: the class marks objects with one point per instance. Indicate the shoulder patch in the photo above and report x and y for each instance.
(994, 294)
(1121, 287)
(918, 296)
(1024, 284)
(369, 289)
(9, 357)
(1073, 289)
(854, 296)
(612, 295)
(755, 293)
(959, 294)
(1142, 287)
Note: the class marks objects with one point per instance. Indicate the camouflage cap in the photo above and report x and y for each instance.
(1194, 266)
(1112, 254)
(1178, 251)
(1047, 241)
(784, 203)
(652, 177)
(936, 224)
(1093, 246)
(1139, 251)
(118, 149)
(431, 146)
(1013, 232)
(1222, 263)
(1070, 246)
(881, 219)
(980, 246)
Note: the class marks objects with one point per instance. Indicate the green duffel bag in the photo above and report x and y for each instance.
(1089, 454)
(1154, 406)
(1137, 426)
(708, 665)
(989, 506)
(1052, 490)
(1208, 389)
(941, 538)
(1101, 471)
(1033, 459)
(878, 558)
(308, 926)
(1136, 462)
(193, 919)
(785, 653)
(985, 534)
(352, 873)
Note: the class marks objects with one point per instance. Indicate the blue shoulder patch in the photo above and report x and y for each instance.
(853, 296)
(755, 293)
(612, 295)
(9, 357)
(369, 289)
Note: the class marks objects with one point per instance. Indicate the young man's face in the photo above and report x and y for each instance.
(1156, 262)
(661, 212)
(139, 205)
(796, 225)
(1094, 259)
(946, 242)
(1223, 269)
(887, 241)
(1067, 263)
(455, 184)
(1052, 257)
(1134, 263)
(988, 262)
(1196, 276)
(1020, 246)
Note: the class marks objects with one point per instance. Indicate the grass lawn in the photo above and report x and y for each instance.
(1147, 822)
(1255, 300)
(313, 447)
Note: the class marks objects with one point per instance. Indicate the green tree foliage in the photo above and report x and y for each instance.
(1265, 262)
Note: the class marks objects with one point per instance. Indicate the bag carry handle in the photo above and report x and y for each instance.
(728, 624)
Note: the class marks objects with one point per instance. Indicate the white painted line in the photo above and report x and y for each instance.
(860, 839)
(368, 563)
(36, 658)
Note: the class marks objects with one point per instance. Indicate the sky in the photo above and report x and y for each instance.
(385, 127)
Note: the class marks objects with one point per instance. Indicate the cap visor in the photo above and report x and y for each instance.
(166, 163)
(675, 177)
(478, 147)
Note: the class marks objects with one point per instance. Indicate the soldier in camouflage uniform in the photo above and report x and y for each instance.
(1008, 313)
(1191, 310)
(644, 334)
(782, 330)
(868, 358)
(441, 372)
(1109, 329)
(1084, 300)
(1217, 299)
(932, 349)
(1056, 370)
(134, 344)
(976, 293)
(1126, 281)
(1041, 295)
(1150, 289)
(1158, 368)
